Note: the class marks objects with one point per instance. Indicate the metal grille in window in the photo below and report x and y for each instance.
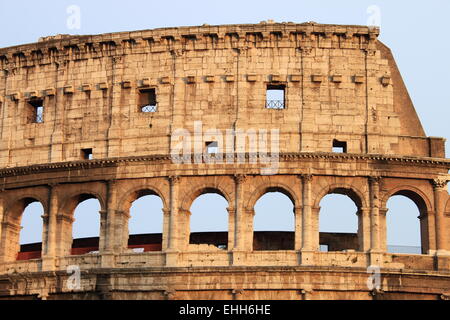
(39, 112)
(275, 104)
(149, 108)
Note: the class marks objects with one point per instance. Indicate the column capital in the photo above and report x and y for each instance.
(383, 211)
(45, 217)
(306, 177)
(231, 210)
(184, 211)
(375, 179)
(111, 182)
(250, 211)
(166, 212)
(363, 210)
(174, 180)
(240, 178)
(64, 217)
(439, 184)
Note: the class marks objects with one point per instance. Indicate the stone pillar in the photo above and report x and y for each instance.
(173, 237)
(375, 214)
(364, 229)
(440, 195)
(108, 238)
(165, 235)
(242, 233)
(307, 223)
(240, 219)
(231, 227)
(307, 255)
(102, 247)
(383, 226)
(2, 213)
(50, 224)
(375, 230)
(121, 230)
(64, 235)
(298, 227)
(184, 229)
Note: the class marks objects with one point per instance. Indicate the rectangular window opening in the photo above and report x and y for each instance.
(323, 248)
(37, 111)
(147, 100)
(212, 147)
(339, 146)
(275, 96)
(87, 154)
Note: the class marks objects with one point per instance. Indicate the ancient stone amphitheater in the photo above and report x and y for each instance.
(94, 117)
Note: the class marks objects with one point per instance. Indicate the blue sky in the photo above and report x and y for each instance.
(416, 31)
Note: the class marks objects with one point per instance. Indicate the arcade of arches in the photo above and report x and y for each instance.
(239, 201)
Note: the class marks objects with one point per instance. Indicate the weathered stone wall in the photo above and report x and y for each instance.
(341, 83)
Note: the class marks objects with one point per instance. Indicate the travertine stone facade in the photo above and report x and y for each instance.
(340, 85)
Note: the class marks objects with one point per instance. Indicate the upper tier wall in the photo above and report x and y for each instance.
(340, 83)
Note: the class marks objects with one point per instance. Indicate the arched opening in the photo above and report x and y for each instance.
(338, 222)
(274, 222)
(145, 226)
(31, 233)
(21, 237)
(209, 220)
(406, 224)
(86, 226)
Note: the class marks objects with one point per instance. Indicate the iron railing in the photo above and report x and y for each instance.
(149, 108)
(275, 104)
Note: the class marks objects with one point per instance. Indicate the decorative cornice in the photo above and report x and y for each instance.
(439, 183)
(115, 162)
(72, 47)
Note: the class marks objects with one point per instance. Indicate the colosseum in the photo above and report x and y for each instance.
(181, 112)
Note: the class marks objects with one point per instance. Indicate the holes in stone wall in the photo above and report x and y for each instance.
(339, 146)
(147, 100)
(87, 154)
(212, 147)
(36, 111)
(275, 96)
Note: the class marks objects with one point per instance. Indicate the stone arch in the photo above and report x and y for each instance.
(204, 188)
(424, 206)
(70, 202)
(271, 187)
(124, 205)
(25, 199)
(135, 193)
(65, 218)
(414, 194)
(344, 189)
(337, 241)
(11, 224)
(186, 204)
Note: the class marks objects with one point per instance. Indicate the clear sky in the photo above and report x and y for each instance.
(416, 31)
